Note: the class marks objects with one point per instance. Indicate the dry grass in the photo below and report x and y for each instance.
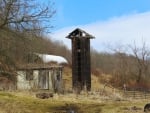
(96, 85)
(67, 78)
(11, 102)
(104, 101)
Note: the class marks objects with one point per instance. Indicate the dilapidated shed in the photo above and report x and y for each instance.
(40, 77)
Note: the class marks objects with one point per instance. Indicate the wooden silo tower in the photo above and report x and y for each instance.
(81, 63)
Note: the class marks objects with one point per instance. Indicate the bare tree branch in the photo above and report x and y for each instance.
(25, 15)
(141, 57)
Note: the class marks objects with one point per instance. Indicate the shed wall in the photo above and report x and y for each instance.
(41, 80)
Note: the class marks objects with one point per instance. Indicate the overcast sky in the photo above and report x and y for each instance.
(112, 22)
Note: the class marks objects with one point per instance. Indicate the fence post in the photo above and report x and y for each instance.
(145, 93)
(134, 93)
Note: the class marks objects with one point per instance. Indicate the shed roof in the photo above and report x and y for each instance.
(38, 67)
(50, 58)
(79, 33)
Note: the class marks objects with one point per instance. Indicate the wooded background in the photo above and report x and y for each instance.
(23, 32)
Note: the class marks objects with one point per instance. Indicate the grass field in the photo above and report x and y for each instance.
(25, 102)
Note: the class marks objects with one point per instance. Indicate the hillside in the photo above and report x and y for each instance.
(17, 48)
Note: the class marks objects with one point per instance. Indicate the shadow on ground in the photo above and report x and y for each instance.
(78, 108)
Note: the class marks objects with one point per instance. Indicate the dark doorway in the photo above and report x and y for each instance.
(43, 79)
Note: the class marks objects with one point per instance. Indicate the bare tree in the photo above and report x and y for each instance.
(141, 57)
(25, 15)
(121, 65)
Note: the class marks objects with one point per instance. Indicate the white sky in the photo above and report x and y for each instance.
(116, 31)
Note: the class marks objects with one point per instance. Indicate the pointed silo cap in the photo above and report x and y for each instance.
(79, 33)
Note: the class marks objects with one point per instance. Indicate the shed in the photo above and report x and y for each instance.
(39, 77)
